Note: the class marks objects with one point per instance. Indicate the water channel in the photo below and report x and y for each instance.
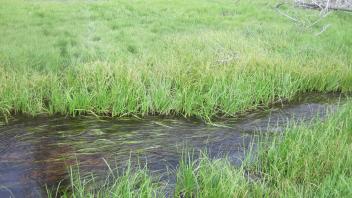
(38, 151)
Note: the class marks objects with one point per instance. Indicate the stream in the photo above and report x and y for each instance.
(38, 151)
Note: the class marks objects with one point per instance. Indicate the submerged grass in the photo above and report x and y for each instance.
(305, 161)
(191, 58)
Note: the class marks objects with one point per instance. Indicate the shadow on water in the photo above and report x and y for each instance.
(37, 151)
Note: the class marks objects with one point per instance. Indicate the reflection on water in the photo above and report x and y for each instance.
(37, 151)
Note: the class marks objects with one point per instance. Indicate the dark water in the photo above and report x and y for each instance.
(37, 151)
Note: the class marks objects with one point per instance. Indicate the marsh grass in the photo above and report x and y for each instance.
(189, 58)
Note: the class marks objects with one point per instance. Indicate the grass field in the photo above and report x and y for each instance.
(201, 58)
(305, 161)
(190, 58)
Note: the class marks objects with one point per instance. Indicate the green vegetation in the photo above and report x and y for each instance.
(305, 161)
(126, 184)
(190, 58)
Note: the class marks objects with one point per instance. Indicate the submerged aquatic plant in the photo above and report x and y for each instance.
(304, 161)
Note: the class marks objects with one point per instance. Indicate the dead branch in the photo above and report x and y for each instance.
(316, 6)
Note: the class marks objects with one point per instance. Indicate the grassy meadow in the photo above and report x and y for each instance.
(305, 161)
(201, 58)
(197, 58)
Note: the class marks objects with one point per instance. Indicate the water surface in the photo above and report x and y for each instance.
(37, 151)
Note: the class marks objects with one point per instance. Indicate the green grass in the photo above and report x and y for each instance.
(304, 161)
(128, 183)
(190, 58)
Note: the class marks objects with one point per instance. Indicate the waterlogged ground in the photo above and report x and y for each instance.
(38, 151)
